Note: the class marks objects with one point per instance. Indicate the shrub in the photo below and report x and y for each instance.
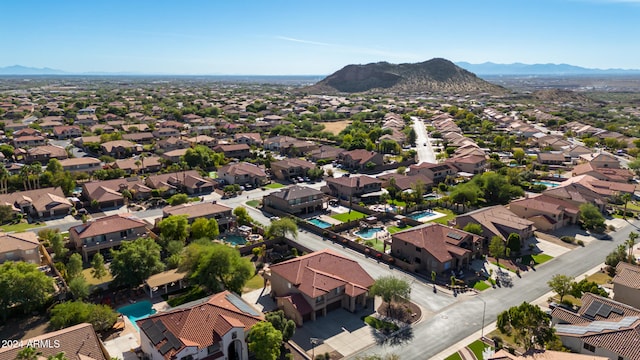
(497, 341)
(581, 243)
(568, 239)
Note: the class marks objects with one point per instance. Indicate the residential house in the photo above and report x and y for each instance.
(325, 152)
(29, 140)
(606, 189)
(172, 143)
(437, 172)
(551, 158)
(165, 132)
(291, 168)
(290, 146)
(406, 182)
(22, 246)
(243, 173)
(120, 149)
(296, 200)
(139, 137)
(470, 164)
(43, 154)
(83, 164)
(360, 159)
(141, 165)
(134, 128)
(27, 132)
(234, 151)
(39, 203)
(208, 210)
(108, 193)
(354, 188)
(204, 140)
(626, 284)
(603, 173)
(436, 247)
(108, 232)
(601, 160)
(77, 342)
(174, 155)
(86, 120)
(311, 285)
(248, 138)
(212, 329)
(547, 213)
(601, 327)
(189, 181)
(497, 221)
(538, 354)
(67, 132)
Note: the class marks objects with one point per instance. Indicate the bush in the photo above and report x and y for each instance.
(581, 243)
(497, 341)
(568, 239)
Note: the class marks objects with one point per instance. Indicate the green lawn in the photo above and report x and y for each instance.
(377, 244)
(22, 226)
(253, 203)
(477, 347)
(346, 217)
(445, 219)
(256, 282)
(274, 185)
(93, 281)
(600, 278)
(537, 259)
(481, 285)
(395, 229)
(396, 203)
(454, 356)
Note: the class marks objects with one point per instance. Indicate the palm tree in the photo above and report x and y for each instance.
(633, 236)
(625, 197)
(24, 176)
(36, 170)
(138, 163)
(4, 180)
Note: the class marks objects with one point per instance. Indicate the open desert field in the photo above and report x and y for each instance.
(336, 126)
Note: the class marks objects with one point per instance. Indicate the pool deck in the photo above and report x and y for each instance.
(329, 220)
(435, 215)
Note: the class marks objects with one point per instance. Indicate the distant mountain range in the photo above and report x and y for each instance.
(489, 68)
(25, 70)
(435, 75)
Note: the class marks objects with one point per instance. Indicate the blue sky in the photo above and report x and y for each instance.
(279, 37)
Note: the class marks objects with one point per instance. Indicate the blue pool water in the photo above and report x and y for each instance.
(547, 184)
(422, 215)
(235, 239)
(137, 311)
(319, 223)
(369, 233)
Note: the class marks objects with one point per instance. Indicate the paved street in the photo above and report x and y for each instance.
(423, 143)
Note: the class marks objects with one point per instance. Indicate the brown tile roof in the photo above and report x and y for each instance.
(42, 200)
(196, 210)
(296, 192)
(627, 275)
(439, 240)
(18, 241)
(360, 155)
(202, 324)
(544, 355)
(352, 181)
(107, 225)
(130, 164)
(320, 272)
(242, 169)
(79, 161)
(78, 342)
(293, 162)
(299, 303)
(494, 216)
(52, 150)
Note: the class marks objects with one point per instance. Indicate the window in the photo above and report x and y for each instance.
(418, 249)
(211, 349)
(589, 347)
(123, 234)
(319, 299)
(417, 260)
(29, 252)
(188, 357)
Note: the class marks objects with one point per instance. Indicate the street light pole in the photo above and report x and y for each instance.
(484, 309)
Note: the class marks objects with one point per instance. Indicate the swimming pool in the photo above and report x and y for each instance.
(547, 184)
(235, 239)
(423, 215)
(137, 311)
(368, 233)
(319, 223)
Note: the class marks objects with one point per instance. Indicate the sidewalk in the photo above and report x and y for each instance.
(541, 301)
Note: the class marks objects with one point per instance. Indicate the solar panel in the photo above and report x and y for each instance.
(147, 324)
(617, 311)
(160, 325)
(604, 310)
(454, 235)
(593, 309)
(241, 305)
(165, 348)
(155, 335)
(173, 340)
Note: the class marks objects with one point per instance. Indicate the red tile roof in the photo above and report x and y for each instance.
(107, 225)
(436, 239)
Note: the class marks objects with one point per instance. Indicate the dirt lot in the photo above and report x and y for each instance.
(335, 126)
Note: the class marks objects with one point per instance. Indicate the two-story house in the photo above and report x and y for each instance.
(289, 168)
(22, 246)
(120, 149)
(626, 284)
(208, 210)
(547, 213)
(234, 151)
(470, 164)
(437, 172)
(102, 234)
(296, 200)
(243, 173)
(357, 188)
(360, 159)
(497, 221)
(83, 164)
(67, 132)
(311, 285)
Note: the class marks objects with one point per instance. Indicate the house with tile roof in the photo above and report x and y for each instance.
(626, 284)
(296, 200)
(213, 329)
(243, 173)
(108, 193)
(325, 152)
(360, 159)
(603, 173)
(470, 164)
(78, 342)
(357, 188)
(547, 213)
(208, 210)
(83, 164)
(497, 221)
(22, 246)
(311, 285)
(67, 132)
(102, 234)
(234, 151)
(120, 149)
(44, 153)
(436, 247)
(150, 164)
(291, 168)
(39, 203)
(189, 181)
(601, 160)
(538, 354)
(437, 172)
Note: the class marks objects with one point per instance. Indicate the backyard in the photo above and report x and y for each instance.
(349, 216)
(445, 219)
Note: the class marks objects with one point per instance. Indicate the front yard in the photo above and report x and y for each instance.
(273, 185)
(19, 227)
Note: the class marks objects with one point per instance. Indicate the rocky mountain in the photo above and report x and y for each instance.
(515, 69)
(435, 76)
(25, 70)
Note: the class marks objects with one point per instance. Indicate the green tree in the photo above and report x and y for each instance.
(79, 288)
(136, 261)
(98, 270)
(174, 227)
(203, 157)
(528, 324)
(217, 267)
(585, 286)
(496, 248)
(6, 214)
(618, 255)
(28, 353)
(242, 215)
(473, 228)
(178, 199)
(58, 356)
(70, 313)
(203, 228)
(282, 227)
(286, 326)
(626, 197)
(74, 266)
(264, 341)
(391, 289)
(630, 242)
(57, 245)
(23, 284)
(513, 243)
(54, 166)
(591, 217)
(560, 284)
(518, 155)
